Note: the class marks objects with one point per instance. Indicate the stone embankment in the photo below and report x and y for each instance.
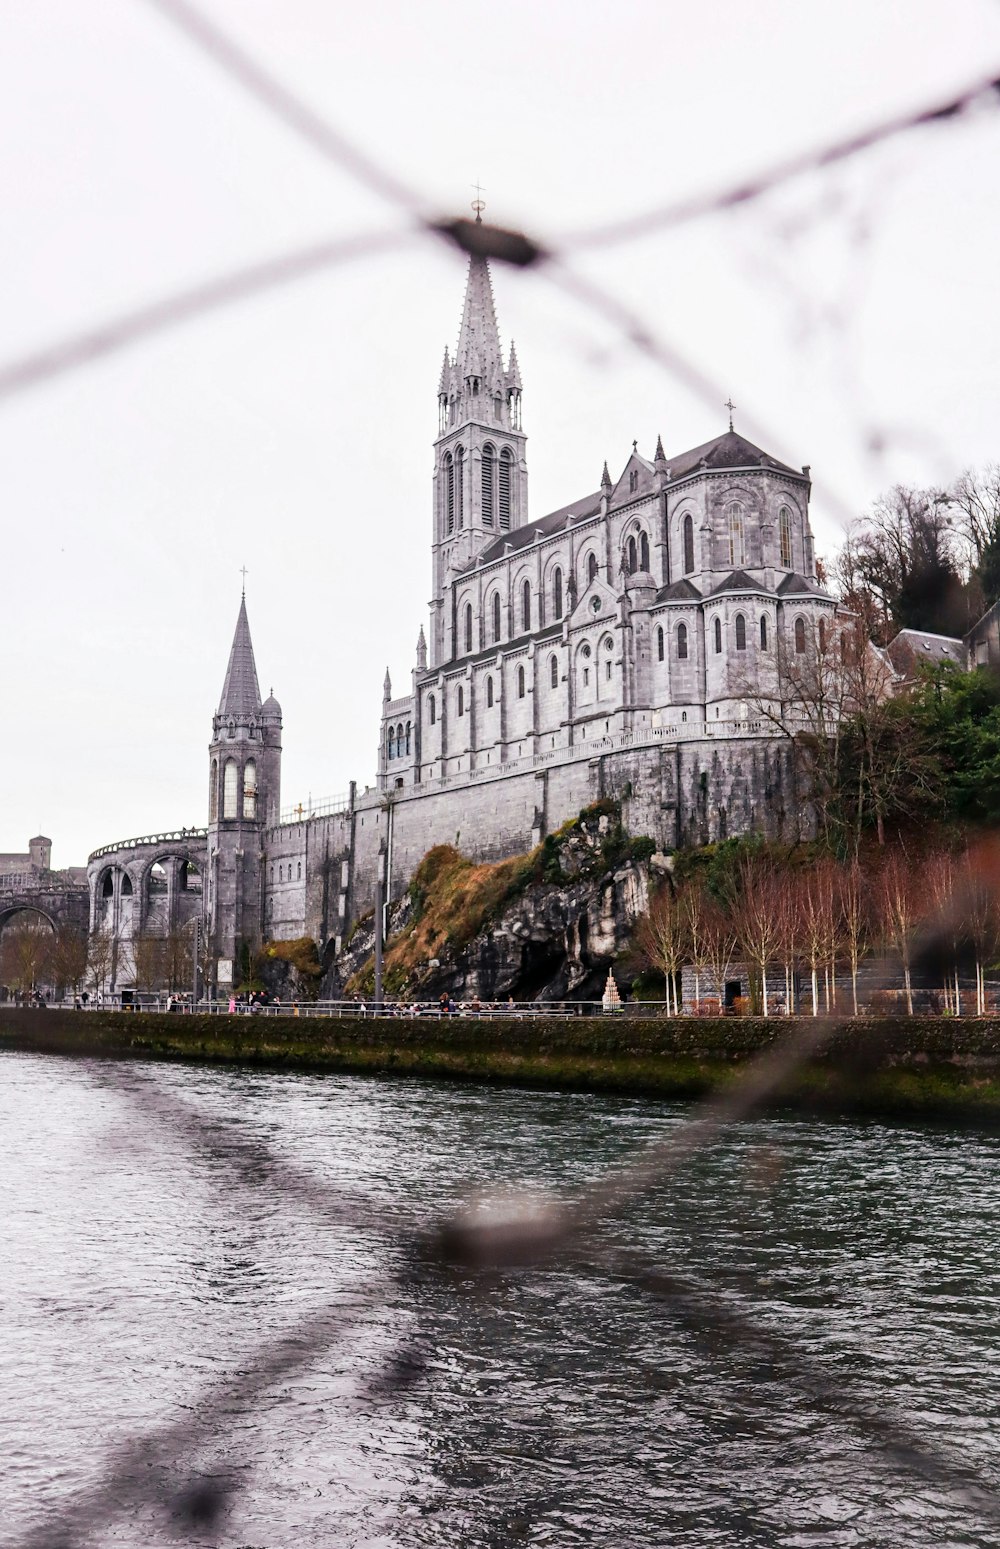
(933, 1067)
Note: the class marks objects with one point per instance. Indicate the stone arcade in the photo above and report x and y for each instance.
(623, 645)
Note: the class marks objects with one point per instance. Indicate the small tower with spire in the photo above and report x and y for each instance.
(480, 470)
(244, 796)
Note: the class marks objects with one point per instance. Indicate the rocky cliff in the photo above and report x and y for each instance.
(544, 926)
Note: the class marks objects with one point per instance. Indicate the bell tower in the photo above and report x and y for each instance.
(244, 795)
(480, 470)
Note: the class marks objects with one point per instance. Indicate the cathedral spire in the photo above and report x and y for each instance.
(240, 692)
(479, 353)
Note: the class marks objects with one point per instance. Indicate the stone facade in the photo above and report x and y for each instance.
(628, 644)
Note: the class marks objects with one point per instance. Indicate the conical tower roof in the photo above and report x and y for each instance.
(240, 692)
(479, 352)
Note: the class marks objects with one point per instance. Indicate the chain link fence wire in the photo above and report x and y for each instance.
(497, 1236)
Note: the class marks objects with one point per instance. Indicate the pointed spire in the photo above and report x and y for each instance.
(387, 686)
(605, 476)
(421, 651)
(445, 372)
(513, 370)
(479, 353)
(240, 692)
(660, 457)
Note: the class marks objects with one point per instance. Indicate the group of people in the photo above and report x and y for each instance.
(257, 1001)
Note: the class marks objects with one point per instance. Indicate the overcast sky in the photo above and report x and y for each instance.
(855, 315)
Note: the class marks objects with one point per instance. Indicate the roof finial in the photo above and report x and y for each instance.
(730, 405)
(244, 572)
(605, 476)
(479, 203)
(635, 446)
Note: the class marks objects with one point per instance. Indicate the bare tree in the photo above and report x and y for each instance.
(69, 958)
(661, 937)
(100, 959)
(900, 897)
(753, 902)
(853, 897)
(26, 951)
(696, 913)
(720, 942)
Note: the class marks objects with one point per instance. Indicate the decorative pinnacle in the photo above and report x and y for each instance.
(661, 455)
(605, 476)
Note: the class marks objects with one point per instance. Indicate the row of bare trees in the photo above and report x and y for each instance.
(789, 922)
(34, 954)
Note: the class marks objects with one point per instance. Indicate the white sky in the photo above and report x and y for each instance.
(292, 433)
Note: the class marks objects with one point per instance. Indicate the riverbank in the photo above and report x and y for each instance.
(933, 1067)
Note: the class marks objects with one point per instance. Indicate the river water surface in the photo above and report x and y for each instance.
(139, 1266)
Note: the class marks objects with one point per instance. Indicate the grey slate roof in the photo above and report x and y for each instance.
(523, 537)
(240, 692)
(739, 581)
(679, 591)
(730, 450)
(795, 585)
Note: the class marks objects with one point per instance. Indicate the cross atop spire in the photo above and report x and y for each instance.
(730, 405)
(479, 203)
(244, 573)
(241, 692)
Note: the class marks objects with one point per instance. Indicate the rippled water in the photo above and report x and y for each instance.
(559, 1409)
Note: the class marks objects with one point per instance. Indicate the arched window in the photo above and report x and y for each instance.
(520, 682)
(230, 788)
(489, 484)
(763, 631)
(643, 552)
(461, 700)
(449, 483)
(734, 513)
(631, 557)
(281, 873)
(785, 537)
(409, 730)
(800, 637)
(741, 632)
(460, 487)
(526, 606)
(822, 634)
(718, 636)
(554, 671)
(688, 544)
(591, 567)
(846, 652)
(496, 617)
(468, 626)
(682, 642)
(504, 501)
(399, 740)
(557, 593)
(250, 789)
(272, 873)
(299, 875)
(432, 709)
(213, 791)
(659, 643)
(392, 742)
(489, 693)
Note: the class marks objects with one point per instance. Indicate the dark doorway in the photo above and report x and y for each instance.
(733, 991)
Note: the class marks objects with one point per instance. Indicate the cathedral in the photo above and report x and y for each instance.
(628, 644)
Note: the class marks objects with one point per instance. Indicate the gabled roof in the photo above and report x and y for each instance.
(645, 481)
(730, 450)
(523, 537)
(240, 692)
(795, 585)
(739, 581)
(679, 591)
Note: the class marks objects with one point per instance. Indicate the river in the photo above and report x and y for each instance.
(141, 1264)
